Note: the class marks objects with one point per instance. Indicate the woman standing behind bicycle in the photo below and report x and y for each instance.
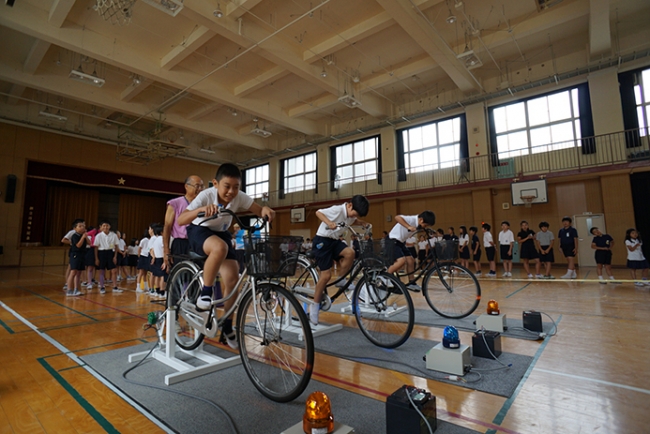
(213, 239)
(328, 248)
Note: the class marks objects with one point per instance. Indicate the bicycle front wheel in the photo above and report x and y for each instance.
(184, 287)
(451, 290)
(304, 279)
(275, 342)
(383, 309)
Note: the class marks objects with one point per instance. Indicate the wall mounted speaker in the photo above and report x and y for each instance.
(10, 191)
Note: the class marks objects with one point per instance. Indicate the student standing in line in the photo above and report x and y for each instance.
(423, 249)
(528, 250)
(568, 236)
(602, 244)
(475, 250)
(78, 242)
(544, 240)
(490, 249)
(506, 242)
(143, 263)
(635, 258)
(106, 255)
(132, 252)
(463, 246)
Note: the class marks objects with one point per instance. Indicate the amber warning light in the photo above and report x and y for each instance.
(318, 418)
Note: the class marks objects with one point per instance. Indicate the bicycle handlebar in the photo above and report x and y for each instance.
(241, 224)
(367, 229)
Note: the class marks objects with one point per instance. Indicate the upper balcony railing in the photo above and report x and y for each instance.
(599, 151)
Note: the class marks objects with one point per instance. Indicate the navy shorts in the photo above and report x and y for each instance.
(106, 259)
(400, 250)
(133, 260)
(143, 263)
(637, 265)
(156, 269)
(465, 253)
(549, 257)
(89, 258)
(326, 251)
(180, 246)
(477, 255)
(77, 261)
(568, 250)
(528, 250)
(604, 257)
(490, 252)
(504, 248)
(198, 234)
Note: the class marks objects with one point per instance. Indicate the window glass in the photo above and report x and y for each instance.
(298, 171)
(357, 161)
(257, 181)
(432, 146)
(538, 112)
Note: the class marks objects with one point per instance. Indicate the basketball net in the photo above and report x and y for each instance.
(528, 201)
(115, 11)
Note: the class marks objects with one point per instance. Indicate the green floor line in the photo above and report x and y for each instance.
(498, 419)
(101, 420)
(57, 303)
(510, 295)
(71, 367)
(6, 327)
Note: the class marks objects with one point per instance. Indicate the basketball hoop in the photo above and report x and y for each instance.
(115, 11)
(528, 200)
(294, 220)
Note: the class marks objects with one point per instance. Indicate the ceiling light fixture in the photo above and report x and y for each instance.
(87, 78)
(206, 150)
(350, 101)
(136, 80)
(58, 116)
(323, 73)
(260, 132)
(171, 7)
(217, 12)
(451, 19)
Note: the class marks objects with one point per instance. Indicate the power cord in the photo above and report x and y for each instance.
(178, 392)
(504, 366)
(408, 395)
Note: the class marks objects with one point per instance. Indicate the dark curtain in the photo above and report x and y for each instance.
(281, 186)
(464, 145)
(640, 183)
(627, 81)
(492, 145)
(333, 166)
(65, 204)
(586, 120)
(401, 164)
(137, 212)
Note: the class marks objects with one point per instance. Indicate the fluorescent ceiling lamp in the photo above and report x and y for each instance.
(86, 78)
(56, 116)
(260, 132)
(171, 7)
(350, 101)
(470, 59)
(206, 150)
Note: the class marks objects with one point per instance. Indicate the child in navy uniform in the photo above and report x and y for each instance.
(544, 240)
(475, 248)
(527, 249)
(602, 244)
(568, 236)
(78, 242)
(635, 258)
(463, 247)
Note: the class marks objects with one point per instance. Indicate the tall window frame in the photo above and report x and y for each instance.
(542, 123)
(356, 161)
(642, 101)
(256, 181)
(299, 173)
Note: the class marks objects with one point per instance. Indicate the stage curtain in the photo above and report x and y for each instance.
(137, 212)
(65, 204)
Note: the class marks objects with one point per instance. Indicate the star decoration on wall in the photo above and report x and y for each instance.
(121, 181)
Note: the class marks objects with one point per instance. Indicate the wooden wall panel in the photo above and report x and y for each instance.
(619, 212)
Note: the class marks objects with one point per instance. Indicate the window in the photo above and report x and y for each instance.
(432, 146)
(257, 181)
(539, 124)
(356, 161)
(299, 173)
(642, 99)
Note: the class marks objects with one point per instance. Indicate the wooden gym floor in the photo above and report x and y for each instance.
(593, 376)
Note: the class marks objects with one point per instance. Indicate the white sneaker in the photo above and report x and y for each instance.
(539, 276)
(573, 274)
(413, 287)
(118, 290)
(138, 289)
(89, 287)
(639, 284)
(341, 283)
(567, 275)
(314, 310)
(530, 276)
(204, 302)
(601, 280)
(387, 283)
(231, 340)
(646, 282)
(505, 274)
(478, 273)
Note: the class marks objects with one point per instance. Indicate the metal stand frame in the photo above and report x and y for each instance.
(167, 355)
(292, 326)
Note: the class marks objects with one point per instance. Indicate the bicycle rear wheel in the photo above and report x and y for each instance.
(275, 342)
(451, 290)
(182, 287)
(304, 279)
(383, 309)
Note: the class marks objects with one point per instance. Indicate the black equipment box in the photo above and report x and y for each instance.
(402, 418)
(493, 340)
(533, 321)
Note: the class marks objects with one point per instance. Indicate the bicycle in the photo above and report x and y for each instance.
(451, 290)
(380, 303)
(279, 362)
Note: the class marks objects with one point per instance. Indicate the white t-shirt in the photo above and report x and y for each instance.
(106, 242)
(463, 240)
(156, 244)
(132, 250)
(69, 235)
(336, 214)
(410, 242)
(144, 251)
(506, 238)
(241, 202)
(399, 232)
(306, 246)
(636, 255)
(422, 245)
(487, 239)
(122, 245)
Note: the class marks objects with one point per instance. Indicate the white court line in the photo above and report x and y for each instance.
(80, 362)
(593, 380)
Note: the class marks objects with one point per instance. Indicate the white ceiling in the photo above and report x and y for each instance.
(264, 60)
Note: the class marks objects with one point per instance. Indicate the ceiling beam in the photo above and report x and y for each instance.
(424, 34)
(59, 11)
(314, 105)
(179, 53)
(235, 11)
(35, 56)
(15, 93)
(32, 21)
(203, 111)
(600, 36)
(134, 90)
(260, 81)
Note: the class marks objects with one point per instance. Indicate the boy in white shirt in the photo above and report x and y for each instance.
(490, 249)
(214, 240)
(506, 242)
(329, 248)
(106, 255)
(157, 252)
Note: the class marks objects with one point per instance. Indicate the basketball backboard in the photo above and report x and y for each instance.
(529, 189)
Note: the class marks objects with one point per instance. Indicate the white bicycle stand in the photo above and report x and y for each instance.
(370, 309)
(291, 325)
(167, 355)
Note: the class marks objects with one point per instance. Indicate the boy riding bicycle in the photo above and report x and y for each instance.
(328, 248)
(213, 239)
(405, 227)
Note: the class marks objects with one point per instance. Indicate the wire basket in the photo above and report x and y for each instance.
(447, 250)
(377, 253)
(272, 256)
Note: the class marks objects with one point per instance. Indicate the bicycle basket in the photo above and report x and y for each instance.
(272, 256)
(377, 253)
(447, 250)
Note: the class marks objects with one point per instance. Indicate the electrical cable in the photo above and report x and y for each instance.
(178, 392)
(408, 395)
